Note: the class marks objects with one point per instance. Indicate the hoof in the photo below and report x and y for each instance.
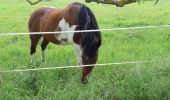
(44, 62)
(32, 63)
(84, 81)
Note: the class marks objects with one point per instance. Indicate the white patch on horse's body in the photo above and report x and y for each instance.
(66, 38)
(78, 52)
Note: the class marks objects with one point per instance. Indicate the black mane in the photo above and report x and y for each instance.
(91, 41)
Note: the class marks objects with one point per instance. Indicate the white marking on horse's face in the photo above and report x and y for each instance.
(64, 26)
(78, 52)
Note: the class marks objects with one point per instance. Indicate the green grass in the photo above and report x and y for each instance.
(149, 81)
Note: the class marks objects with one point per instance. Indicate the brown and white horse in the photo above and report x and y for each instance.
(75, 16)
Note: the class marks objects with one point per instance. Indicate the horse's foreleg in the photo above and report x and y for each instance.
(43, 47)
(78, 52)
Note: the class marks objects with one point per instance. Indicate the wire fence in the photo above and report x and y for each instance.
(80, 31)
(80, 66)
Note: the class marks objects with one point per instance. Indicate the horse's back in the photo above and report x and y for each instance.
(47, 18)
(36, 18)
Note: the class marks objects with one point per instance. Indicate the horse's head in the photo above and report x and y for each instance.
(89, 41)
(90, 46)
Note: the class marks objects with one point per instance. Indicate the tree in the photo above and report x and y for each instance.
(118, 3)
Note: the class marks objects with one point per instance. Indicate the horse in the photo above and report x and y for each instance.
(75, 16)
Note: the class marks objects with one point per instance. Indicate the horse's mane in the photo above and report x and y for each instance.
(91, 41)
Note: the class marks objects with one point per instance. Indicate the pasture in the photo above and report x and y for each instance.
(143, 81)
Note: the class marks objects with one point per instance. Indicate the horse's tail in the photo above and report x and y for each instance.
(91, 41)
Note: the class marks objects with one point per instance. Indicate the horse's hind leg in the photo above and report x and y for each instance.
(34, 42)
(43, 47)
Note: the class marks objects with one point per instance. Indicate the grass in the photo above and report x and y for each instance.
(149, 81)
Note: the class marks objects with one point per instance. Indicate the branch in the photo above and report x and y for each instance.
(118, 3)
(33, 3)
(156, 2)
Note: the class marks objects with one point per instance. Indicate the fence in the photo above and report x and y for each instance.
(80, 66)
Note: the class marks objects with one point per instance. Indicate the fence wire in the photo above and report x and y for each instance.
(81, 66)
(80, 31)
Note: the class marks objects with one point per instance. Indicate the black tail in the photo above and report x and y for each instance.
(91, 41)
